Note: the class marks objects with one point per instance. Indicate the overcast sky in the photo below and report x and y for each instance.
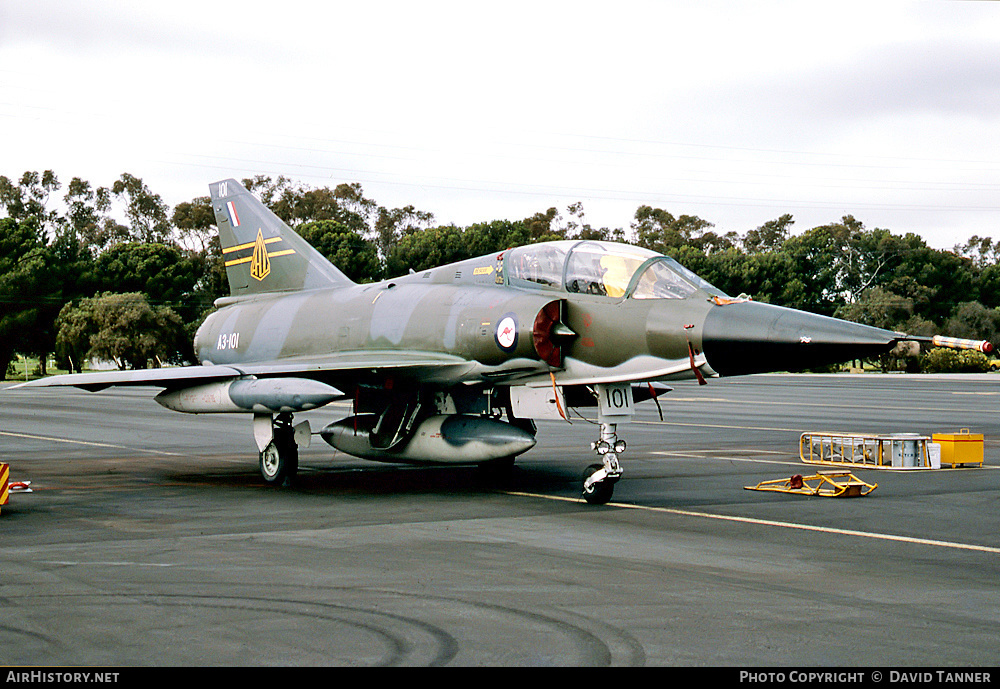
(734, 112)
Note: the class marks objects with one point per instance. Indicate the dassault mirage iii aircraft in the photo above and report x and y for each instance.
(454, 364)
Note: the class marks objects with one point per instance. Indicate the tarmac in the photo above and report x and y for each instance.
(150, 540)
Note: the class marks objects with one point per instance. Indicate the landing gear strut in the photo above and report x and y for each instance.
(599, 479)
(279, 460)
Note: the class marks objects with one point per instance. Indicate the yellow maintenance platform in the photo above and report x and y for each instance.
(826, 484)
(899, 451)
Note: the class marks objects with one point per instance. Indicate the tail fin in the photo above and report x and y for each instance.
(261, 252)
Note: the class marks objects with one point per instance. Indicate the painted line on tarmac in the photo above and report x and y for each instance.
(797, 431)
(791, 461)
(824, 405)
(31, 436)
(81, 563)
(785, 525)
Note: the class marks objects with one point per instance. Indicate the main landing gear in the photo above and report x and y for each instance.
(599, 479)
(279, 458)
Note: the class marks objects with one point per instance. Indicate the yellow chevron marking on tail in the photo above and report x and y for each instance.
(260, 264)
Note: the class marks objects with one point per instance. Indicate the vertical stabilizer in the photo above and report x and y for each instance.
(261, 252)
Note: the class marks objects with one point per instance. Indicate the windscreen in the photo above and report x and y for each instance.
(668, 279)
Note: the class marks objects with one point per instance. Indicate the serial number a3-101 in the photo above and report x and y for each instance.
(228, 341)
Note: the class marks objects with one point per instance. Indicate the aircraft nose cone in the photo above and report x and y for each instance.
(752, 337)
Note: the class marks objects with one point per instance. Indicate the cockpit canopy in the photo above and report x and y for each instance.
(603, 268)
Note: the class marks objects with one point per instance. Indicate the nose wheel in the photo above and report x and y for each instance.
(599, 479)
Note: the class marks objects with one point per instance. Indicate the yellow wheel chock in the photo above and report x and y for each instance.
(827, 484)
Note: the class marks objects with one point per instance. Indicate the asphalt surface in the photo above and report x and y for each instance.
(150, 540)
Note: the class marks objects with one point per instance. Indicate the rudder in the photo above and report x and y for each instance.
(262, 253)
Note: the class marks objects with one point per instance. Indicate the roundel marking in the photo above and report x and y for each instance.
(506, 335)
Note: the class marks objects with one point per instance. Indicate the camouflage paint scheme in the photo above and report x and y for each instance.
(442, 364)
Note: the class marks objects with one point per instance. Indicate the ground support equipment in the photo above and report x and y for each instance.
(960, 448)
(898, 451)
(826, 484)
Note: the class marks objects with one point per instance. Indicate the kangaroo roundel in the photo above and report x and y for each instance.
(506, 334)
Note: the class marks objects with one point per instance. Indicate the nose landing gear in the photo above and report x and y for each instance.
(599, 479)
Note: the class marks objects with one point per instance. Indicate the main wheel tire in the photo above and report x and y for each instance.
(598, 493)
(279, 462)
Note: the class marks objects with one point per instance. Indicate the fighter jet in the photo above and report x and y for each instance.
(453, 365)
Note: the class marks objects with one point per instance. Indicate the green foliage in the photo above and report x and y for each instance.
(27, 200)
(163, 272)
(496, 236)
(428, 249)
(356, 256)
(658, 230)
(878, 307)
(974, 321)
(942, 360)
(123, 328)
(770, 236)
(146, 211)
(24, 287)
(195, 221)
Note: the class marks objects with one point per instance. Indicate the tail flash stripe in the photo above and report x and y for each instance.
(234, 219)
(250, 245)
(247, 259)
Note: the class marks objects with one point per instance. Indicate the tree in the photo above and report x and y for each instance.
(27, 201)
(577, 227)
(195, 223)
(989, 286)
(770, 236)
(982, 251)
(25, 288)
(428, 249)
(269, 191)
(145, 211)
(352, 198)
(86, 216)
(937, 280)
(392, 225)
(821, 258)
(496, 236)
(356, 256)
(883, 309)
(544, 226)
(165, 273)
(123, 328)
(973, 321)
(658, 230)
